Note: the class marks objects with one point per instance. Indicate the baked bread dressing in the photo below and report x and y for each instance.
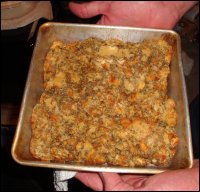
(105, 103)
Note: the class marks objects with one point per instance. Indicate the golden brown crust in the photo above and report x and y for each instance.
(105, 102)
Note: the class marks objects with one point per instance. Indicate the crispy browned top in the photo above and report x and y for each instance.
(105, 102)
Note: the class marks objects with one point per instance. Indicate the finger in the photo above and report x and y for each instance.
(135, 180)
(126, 177)
(196, 163)
(113, 182)
(91, 180)
(89, 9)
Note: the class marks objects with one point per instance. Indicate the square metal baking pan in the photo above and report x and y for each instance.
(49, 32)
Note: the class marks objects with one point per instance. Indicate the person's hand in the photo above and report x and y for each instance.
(178, 180)
(152, 14)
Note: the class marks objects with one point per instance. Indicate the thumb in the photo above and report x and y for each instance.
(113, 182)
(89, 9)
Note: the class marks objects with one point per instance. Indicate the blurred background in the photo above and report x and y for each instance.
(20, 21)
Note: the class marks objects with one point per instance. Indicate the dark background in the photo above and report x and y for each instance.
(16, 53)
